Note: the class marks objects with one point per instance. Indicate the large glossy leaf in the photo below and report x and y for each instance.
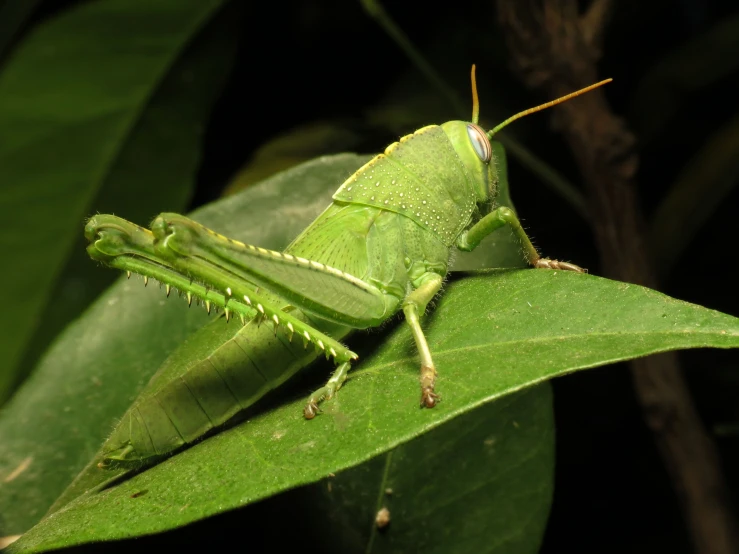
(443, 492)
(57, 421)
(492, 334)
(73, 120)
(154, 171)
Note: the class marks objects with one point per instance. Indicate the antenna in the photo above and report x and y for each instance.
(519, 115)
(475, 99)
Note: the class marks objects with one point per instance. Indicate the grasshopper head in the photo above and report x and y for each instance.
(473, 148)
(472, 143)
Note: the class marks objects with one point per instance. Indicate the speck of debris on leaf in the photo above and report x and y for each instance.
(382, 519)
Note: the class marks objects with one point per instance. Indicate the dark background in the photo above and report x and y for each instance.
(301, 62)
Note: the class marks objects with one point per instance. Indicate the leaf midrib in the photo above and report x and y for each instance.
(534, 340)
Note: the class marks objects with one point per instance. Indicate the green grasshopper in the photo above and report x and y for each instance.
(382, 246)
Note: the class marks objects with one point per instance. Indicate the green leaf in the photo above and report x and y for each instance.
(704, 182)
(529, 326)
(492, 334)
(73, 120)
(95, 369)
(444, 490)
(154, 171)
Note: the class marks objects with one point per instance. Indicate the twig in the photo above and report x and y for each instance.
(554, 48)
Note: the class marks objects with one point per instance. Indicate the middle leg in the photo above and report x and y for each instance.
(413, 307)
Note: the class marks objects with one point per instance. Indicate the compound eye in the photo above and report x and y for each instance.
(480, 142)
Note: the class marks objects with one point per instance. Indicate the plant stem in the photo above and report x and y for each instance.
(555, 48)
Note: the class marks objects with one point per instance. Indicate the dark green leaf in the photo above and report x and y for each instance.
(73, 120)
(492, 334)
(154, 171)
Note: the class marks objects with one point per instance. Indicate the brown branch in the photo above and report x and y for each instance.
(555, 49)
(593, 25)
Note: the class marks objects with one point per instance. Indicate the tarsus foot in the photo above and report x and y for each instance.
(546, 263)
(429, 398)
(311, 409)
(327, 391)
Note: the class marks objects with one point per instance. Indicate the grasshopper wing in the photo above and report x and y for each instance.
(309, 285)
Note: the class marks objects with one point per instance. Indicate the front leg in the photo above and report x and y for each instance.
(470, 239)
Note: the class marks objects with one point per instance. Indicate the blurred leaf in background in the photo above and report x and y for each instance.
(92, 120)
